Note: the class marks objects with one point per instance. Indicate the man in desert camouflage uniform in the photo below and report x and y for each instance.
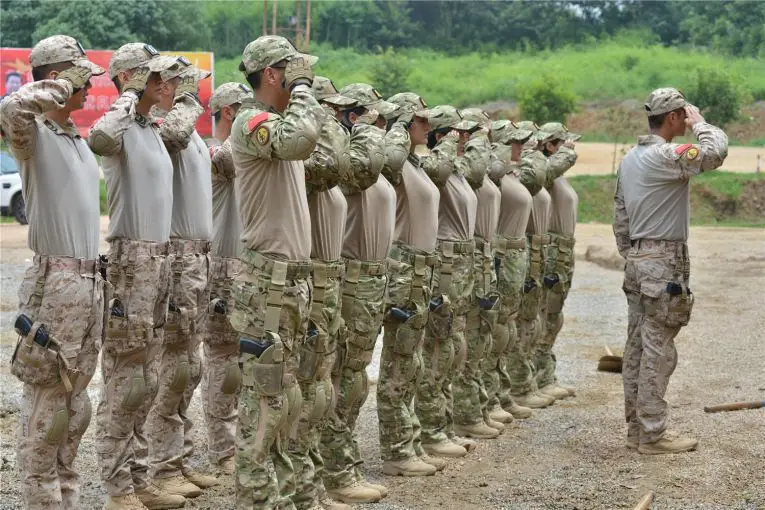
(190, 232)
(270, 139)
(651, 222)
(367, 240)
(222, 380)
(61, 299)
(139, 183)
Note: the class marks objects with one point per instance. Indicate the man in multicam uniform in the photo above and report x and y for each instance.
(222, 380)
(190, 232)
(367, 240)
(651, 221)
(270, 139)
(62, 294)
(139, 183)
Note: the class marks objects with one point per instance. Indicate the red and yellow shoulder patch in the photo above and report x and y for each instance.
(688, 150)
(680, 149)
(256, 121)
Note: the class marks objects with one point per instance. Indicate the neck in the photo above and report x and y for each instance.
(664, 133)
(268, 98)
(60, 117)
(222, 131)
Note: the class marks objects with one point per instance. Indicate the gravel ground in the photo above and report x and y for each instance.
(569, 456)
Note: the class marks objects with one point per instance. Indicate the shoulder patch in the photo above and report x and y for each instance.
(256, 121)
(692, 153)
(680, 149)
(263, 135)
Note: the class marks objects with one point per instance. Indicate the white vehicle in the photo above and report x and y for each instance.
(11, 200)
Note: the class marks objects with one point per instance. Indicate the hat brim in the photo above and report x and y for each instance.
(94, 69)
(383, 107)
(201, 73)
(464, 125)
(162, 63)
(573, 137)
(312, 59)
(423, 114)
(338, 100)
(519, 135)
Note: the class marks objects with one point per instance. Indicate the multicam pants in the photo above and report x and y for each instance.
(557, 282)
(445, 346)
(181, 367)
(222, 379)
(273, 299)
(504, 362)
(362, 310)
(139, 274)
(65, 295)
(659, 301)
(409, 289)
(317, 358)
(470, 395)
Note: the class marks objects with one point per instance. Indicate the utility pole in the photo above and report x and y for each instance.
(273, 18)
(308, 26)
(265, 15)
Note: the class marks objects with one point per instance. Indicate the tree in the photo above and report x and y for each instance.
(546, 99)
(390, 72)
(716, 94)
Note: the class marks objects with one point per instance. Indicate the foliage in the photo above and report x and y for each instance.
(390, 72)
(716, 94)
(546, 99)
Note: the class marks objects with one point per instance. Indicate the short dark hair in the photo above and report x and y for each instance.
(255, 78)
(117, 84)
(216, 116)
(656, 121)
(40, 73)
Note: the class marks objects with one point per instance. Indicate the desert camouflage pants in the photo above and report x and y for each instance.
(445, 346)
(409, 289)
(659, 302)
(273, 299)
(67, 296)
(317, 358)
(363, 295)
(511, 265)
(222, 378)
(139, 274)
(181, 368)
(557, 283)
(470, 394)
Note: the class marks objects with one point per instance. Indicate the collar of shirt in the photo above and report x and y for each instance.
(254, 103)
(145, 121)
(651, 140)
(70, 129)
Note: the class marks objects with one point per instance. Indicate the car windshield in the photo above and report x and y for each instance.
(8, 164)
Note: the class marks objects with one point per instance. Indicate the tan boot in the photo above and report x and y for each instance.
(413, 466)
(500, 415)
(445, 449)
(127, 502)
(478, 431)
(571, 391)
(519, 412)
(632, 442)
(665, 445)
(156, 499)
(355, 493)
(436, 462)
(532, 401)
(200, 480)
(227, 466)
(178, 485)
(328, 503)
(375, 486)
(468, 444)
(494, 424)
(555, 392)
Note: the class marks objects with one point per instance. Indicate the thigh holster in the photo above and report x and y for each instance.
(263, 364)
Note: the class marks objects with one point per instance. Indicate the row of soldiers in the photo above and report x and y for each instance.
(281, 249)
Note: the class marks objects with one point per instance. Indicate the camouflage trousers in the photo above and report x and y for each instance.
(502, 362)
(445, 346)
(65, 295)
(317, 358)
(139, 274)
(181, 367)
(363, 295)
(409, 289)
(272, 302)
(659, 302)
(470, 394)
(557, 282)
(222, 378)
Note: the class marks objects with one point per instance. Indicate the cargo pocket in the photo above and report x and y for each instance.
(669, 303)
(440, 319)
(125, 335)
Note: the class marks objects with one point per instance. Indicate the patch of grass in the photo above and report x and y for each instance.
(7, 219)
(102, 197)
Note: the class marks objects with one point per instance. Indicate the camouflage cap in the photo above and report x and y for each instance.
(506, 131)
(476, 115)
(527, 124)
(266, 51)
(445, 116)
(408, 102)
(664, 100)
(61, 48)
(324, 90)
(132, 55)
(228, 94)
(556, 131)
(184, 68)
(368, 97)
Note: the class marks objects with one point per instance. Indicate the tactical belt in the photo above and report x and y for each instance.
(355, 269)
(181, 246)
(501, 244)
(133, 247)
(482, 246)
(657, 243)
(449, 248)
(292, 270)
(566, 242)
(68, 264)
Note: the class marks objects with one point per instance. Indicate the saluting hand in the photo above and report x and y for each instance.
(693, 116)
(78, 76)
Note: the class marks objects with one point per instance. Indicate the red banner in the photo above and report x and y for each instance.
(16, 71)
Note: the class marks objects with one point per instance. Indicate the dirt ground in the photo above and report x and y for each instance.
(569, 456)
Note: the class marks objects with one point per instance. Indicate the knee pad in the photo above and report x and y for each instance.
(358, 391)
(136, 392)
(180, 377)
(322, 402)
(59, 426)
(232, 379)
(83, 416)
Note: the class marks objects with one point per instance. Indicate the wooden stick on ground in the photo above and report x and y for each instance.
(609, 351)
(735, 406)
(645, 503)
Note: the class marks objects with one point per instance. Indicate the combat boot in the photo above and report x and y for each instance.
(665, 445)
(518, 412)
(468, 444)
(445, 449)
(156, 499)
(200, 480)
(328, 503)
(355, 493)
(375, 486)
(178, 485)
(494, 424)
(413, 466)
(227, 466)
(500, 415)
(436, 462)
(554, 391)
(632, 442)
(478, 431)
(127, 502)
(532, 401)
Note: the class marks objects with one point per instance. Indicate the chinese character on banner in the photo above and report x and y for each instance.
(15, 71)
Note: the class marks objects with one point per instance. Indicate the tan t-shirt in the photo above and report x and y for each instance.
(564, 204)
(457, 210)
(328, 213)
(539, 221)
(192, 191)
(416, 208)
(227, 228)
(515, 208)
(487, 215)
(371, 220)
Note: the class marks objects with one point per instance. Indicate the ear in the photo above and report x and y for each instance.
(353, 117)
(52, 75)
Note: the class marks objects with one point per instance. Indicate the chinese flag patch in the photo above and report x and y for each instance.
(256, 121)
(682, 148)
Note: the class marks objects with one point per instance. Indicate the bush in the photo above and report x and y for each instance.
(717, 95)
(546, 99)
(390, 72)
